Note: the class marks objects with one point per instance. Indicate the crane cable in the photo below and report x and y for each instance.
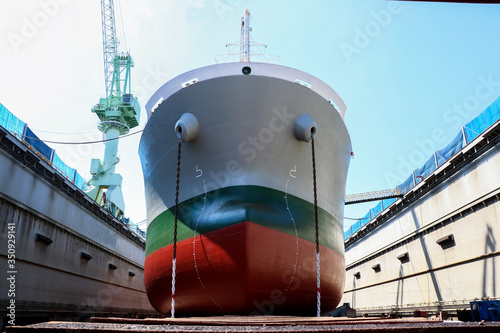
(122, 25)
(82, 142)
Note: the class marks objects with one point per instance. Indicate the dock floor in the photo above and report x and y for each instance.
(260, 324)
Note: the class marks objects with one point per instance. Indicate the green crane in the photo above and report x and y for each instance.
(118, 112)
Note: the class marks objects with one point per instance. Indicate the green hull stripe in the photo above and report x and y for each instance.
(231, 205)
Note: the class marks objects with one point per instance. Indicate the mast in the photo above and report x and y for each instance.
(245, 37)
(246, 46)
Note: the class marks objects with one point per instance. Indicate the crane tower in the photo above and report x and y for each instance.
(118, 112)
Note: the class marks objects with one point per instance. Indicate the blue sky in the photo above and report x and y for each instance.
(410, 73)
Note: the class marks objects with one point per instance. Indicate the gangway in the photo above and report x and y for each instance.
(372, 196)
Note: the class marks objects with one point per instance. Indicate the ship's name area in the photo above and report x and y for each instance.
(253, 144)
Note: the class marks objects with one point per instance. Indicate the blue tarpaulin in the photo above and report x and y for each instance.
(451, 149)
(17, 127)
(382, 205)
(363, 221)
(80, 182)
(483, 121)
(387, 202)
(425, 170)
(58, 163)
(38, 144)
(134, 226)
(375, 210)
(10, 122)
(347, 233)
(356, 226)
(406, 185)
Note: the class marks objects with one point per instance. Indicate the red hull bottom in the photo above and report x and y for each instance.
(244, 269)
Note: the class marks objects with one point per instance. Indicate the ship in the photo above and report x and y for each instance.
(234, 156)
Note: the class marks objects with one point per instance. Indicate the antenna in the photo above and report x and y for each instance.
(246, 45)
(245, 37)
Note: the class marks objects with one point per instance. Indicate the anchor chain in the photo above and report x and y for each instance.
(318, 287)
(174, 256)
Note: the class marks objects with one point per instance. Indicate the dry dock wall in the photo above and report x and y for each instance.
(440, 251)
(70, 255)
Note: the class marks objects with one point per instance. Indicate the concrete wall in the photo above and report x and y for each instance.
(435, 277)
(55, 276)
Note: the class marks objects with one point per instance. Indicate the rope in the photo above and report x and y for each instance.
(174, 256)
(318, 288)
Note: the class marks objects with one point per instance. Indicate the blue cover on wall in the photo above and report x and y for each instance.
(38, 144)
